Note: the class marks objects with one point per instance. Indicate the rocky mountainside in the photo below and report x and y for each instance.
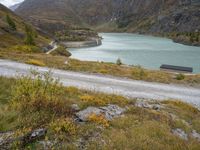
(13, 31)
(145, 16)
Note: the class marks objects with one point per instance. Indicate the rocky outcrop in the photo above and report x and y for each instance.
(180, 133)
(7, 139)
(109, 112)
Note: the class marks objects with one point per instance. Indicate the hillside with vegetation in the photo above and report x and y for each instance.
(17, 35)
(177, 19)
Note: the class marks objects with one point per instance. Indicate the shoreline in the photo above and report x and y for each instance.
(82, 44)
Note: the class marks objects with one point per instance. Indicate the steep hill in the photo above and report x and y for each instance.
(145, 16)
(13, 34)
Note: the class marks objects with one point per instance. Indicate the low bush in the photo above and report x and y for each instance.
(180, 77)
(35, 62)
(39, 100)
(98, 119)
(139, 73)
(119, 62)
(63, 125)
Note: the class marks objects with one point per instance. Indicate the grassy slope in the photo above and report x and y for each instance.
(138, 129)
(9, 38)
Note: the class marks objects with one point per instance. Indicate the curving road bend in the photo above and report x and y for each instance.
(107, 84)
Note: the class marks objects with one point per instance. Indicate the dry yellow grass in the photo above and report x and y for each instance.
(35, 62)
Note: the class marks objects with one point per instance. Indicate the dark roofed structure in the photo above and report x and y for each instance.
(176, 68)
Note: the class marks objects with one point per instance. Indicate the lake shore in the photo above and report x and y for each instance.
(81, 44)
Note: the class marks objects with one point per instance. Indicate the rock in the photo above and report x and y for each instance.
(109, 112)
(66, 62)
(47, 144)
(34, 135)
(195, 135)
(112, 111)
(84, 114)
(180, 133)
(144, 104)
(6, 139)
(75, 107)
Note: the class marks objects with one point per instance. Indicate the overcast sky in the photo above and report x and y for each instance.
(10, 2)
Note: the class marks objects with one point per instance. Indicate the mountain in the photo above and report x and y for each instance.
(14, 7)
(144, 16)
(13, 31)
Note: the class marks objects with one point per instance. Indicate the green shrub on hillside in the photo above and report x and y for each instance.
(29, 40)
(119, 62)
(39, 101)
(11, 23)
(180, 77)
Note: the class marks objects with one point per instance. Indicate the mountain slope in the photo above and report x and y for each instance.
(10, 37)
(145, 16)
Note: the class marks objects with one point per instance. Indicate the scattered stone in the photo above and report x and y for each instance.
(180, 133)
(109, 112)
(75, 107)
(6, 138)
(112, 111)
(84, 114)
(195, 135)
(34, 135)
(47, 144)
(66, 62)
(144, 104)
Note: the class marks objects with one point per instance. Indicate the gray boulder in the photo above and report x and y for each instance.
(195, 135)
(109, 112)
(75, 107)
(180, 133)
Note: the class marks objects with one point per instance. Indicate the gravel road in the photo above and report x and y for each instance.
(107, 84)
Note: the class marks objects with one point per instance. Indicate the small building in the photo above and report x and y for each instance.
(179, 69)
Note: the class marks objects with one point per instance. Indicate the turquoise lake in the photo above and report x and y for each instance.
(147, 51)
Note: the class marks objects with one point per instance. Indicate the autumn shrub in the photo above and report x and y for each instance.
(99, 119)
(92, 100)
(103, 99)
(39, 98)
(35, 62)
(139, 73)
(63, 125)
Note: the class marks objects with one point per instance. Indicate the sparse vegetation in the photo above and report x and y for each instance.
(43, 102)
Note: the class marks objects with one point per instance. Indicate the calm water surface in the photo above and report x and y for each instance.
(147, 51)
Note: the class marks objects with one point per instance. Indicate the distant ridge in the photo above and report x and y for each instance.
(14, 7)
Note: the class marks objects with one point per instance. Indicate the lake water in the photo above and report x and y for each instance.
(146, 51)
